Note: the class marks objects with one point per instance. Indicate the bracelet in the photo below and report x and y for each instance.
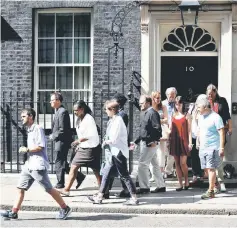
(222, 148)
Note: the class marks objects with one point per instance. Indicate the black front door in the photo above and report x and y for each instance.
(189, 75)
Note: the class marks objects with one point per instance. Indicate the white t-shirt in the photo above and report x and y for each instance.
(87, 129)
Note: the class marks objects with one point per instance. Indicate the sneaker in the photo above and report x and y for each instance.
(152, 180)
(222, 187)
(131, 202)
(95, 199)
(63, 192)
(64, 213)
(9, 214)
(208, 195)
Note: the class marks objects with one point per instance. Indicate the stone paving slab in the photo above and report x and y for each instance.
(170, 202)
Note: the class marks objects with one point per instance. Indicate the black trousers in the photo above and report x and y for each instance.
(120, 162)
(111, 181)
(61, 164)
(196, 165)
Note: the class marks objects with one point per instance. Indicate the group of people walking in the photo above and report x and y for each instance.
(169, 133)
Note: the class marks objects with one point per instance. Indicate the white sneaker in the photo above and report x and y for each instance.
(222, 187)
(152, 180)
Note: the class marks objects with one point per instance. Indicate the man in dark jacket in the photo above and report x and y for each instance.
(62, 137)
(150, 134)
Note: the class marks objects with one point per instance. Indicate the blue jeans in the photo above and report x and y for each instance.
(120, 163)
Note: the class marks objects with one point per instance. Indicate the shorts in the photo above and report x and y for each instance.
(209, 158)
(28, 177)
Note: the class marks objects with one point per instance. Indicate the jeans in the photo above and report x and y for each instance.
(120, 162)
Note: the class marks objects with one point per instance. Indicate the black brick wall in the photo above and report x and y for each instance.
(17, 57)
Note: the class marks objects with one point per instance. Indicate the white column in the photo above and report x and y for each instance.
(145, 49)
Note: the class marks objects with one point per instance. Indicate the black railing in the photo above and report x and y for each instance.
(13, 134)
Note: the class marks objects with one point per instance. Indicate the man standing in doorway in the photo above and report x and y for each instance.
(169, 102)
(35, 168)
(62, 137)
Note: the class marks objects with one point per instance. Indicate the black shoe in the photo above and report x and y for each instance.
(159, 190)
(59, 186)
(179, 189)
(143, 191)
(106, 196)
(124, 194)
(80, 179)
(186, 187)
(9, 214)
(169, 176)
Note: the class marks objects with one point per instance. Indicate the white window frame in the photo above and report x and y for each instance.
(37, 65)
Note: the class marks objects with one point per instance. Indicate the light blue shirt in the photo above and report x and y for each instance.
(170, 109)
(208, 126)
(36, 138)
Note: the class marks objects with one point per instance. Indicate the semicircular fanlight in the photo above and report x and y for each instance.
(189, 38)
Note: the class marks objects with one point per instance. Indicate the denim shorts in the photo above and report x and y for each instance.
(27, 178)
(209, 158)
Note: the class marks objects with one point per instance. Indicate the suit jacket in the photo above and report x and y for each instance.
(61, 128)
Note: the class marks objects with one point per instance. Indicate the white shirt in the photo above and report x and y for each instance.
(36, 138)
(118, 136)
(86, 128)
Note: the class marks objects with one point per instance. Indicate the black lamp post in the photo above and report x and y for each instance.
(189, 6)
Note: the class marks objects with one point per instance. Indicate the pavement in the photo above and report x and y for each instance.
(170, 202)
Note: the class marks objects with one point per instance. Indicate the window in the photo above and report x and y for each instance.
(189, 39)
(63, 41)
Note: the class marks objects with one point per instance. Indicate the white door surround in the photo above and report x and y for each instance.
(151, 48)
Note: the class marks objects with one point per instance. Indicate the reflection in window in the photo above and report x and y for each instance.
(46, 77)
(82, 24)
(64, 25)
(46, 51)
(64, 78)
(82, 78)
(82, 50)
(46, 25)
(64, 51)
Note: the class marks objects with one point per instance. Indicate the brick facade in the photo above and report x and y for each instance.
(17, 60)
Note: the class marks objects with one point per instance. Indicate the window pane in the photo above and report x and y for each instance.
(64, 78)
(67, 100)
(82, 78)
(82, 51)
(46, 51)
(82, 95)
(82, 25)
(46, 25)
(46, 77)
(64, 51)
(43, 104)
(64, 25)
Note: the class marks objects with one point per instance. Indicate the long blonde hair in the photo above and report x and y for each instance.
(155, 94)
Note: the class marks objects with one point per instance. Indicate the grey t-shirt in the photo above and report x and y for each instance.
(36, 138)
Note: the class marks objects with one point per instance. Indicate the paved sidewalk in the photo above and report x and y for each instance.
(171, 202)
